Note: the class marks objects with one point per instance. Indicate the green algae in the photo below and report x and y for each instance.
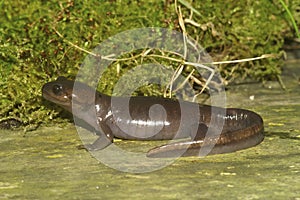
(46, 164)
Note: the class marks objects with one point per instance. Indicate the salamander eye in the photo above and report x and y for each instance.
(57, 90)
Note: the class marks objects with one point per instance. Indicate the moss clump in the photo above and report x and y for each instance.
(32, 53)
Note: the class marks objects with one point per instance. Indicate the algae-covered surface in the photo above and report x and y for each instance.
(46, 163)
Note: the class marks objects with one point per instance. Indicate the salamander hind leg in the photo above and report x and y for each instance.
(184, 148)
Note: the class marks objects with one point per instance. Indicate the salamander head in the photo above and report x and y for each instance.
(60, 92)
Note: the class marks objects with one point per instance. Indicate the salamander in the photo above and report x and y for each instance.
(156, 118)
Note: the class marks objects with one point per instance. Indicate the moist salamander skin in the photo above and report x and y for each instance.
(154, 118)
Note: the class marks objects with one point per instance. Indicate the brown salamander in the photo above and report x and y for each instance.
(148, 121)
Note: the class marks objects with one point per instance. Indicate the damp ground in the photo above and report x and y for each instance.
(46, 163)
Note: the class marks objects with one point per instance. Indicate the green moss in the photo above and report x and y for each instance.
(32, 53)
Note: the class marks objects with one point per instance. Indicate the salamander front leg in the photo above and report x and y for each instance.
(100, 143)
